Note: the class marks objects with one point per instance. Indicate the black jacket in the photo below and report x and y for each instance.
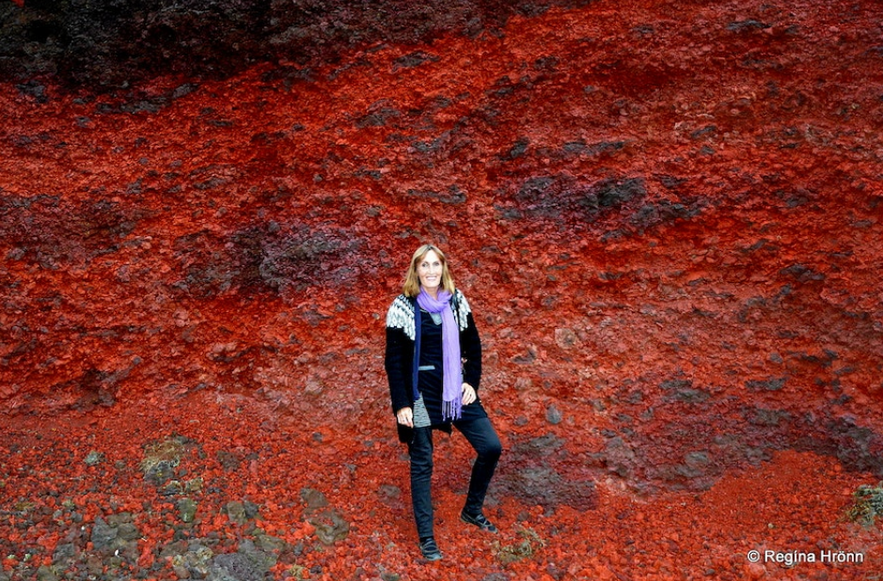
(401, 342)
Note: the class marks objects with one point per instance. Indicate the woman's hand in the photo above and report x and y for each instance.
(405, 416)
(468, 394)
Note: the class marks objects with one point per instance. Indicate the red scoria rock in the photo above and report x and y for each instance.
(666, 216)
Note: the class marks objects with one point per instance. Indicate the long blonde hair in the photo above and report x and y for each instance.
(411, 288)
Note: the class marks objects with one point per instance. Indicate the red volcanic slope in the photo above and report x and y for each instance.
(667, 219)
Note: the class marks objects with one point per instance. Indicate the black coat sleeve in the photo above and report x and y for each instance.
(398, 363)
(470, 350)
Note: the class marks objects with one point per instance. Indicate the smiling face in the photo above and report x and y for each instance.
(429, 271)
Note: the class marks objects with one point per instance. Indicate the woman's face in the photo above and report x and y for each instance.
(429, 271)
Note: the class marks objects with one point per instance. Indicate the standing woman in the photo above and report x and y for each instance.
(433, 362)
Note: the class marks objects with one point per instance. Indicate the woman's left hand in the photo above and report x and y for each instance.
(468, 394)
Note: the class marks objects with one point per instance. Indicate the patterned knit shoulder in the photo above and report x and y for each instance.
(401, 313)
(463, 309)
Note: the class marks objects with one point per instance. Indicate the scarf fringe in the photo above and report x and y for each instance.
(451, 410)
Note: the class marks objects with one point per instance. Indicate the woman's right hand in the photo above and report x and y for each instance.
(405, 416)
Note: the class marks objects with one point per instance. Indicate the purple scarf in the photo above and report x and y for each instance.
(453, 383)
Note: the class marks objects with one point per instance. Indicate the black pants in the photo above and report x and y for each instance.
(481, 435)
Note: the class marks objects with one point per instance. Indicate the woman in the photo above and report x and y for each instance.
(433, 362)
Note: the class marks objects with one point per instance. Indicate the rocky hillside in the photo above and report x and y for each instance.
(666, 216)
